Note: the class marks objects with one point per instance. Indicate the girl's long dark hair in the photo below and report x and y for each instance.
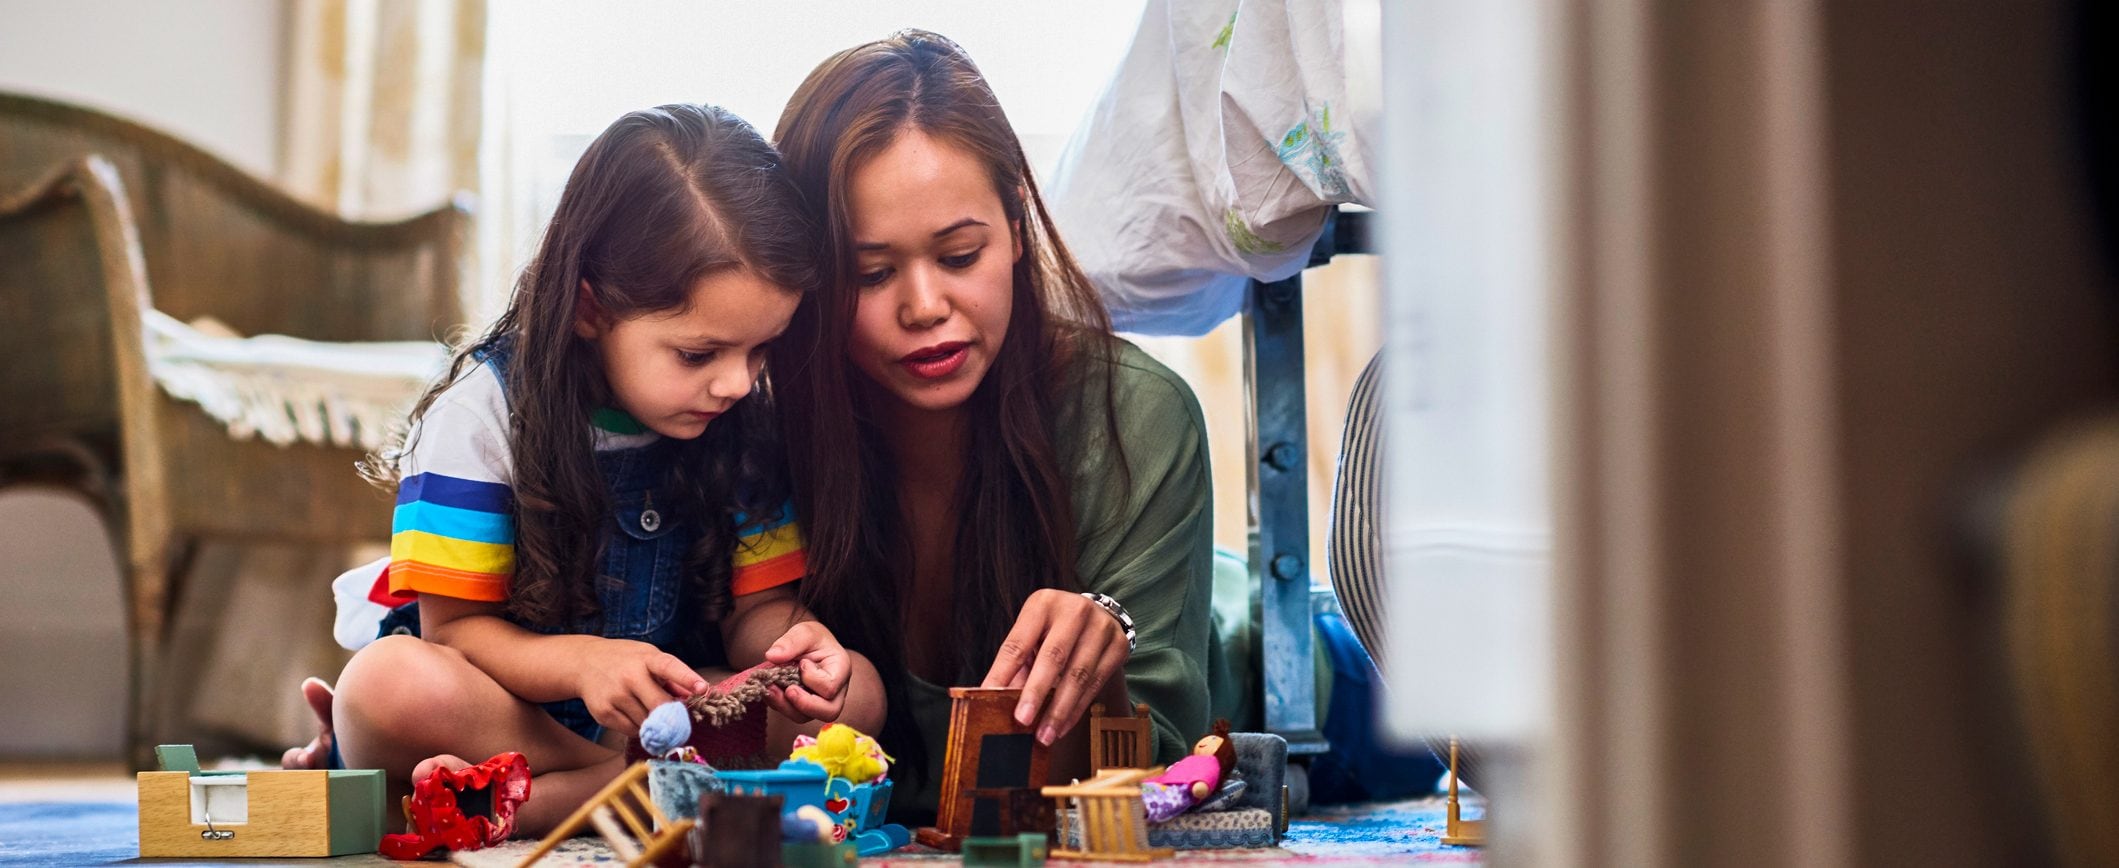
(663, 197)
(1017, 529)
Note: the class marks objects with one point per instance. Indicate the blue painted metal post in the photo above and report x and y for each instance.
(1279, 520)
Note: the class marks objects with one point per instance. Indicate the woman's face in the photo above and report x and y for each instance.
(934, 257)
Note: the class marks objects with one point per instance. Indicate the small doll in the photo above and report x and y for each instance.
(1189, 781)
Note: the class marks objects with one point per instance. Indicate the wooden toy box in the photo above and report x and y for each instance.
(189, 813)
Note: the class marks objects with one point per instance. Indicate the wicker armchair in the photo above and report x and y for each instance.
(102, 219)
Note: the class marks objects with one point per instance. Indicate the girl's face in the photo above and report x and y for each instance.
(934, 254)
(676, 370)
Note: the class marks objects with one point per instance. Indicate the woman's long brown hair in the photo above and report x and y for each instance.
(663, 197)
(1016, 531)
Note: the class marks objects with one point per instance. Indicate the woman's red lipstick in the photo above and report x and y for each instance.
(938, 361)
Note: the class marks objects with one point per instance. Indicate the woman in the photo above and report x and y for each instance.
(973, 448)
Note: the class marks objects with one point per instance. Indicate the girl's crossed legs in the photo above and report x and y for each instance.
(405, 705)
(403, 701)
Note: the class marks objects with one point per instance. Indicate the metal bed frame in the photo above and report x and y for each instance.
(1277, 482)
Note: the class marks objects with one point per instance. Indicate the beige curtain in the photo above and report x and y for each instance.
(384, 103)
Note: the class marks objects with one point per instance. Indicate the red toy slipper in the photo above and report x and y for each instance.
(467, 809)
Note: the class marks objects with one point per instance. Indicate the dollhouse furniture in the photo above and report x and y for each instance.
(186, 812)
(626, 816)
(1120, 742)
(988, 757)
(1456, 830)
(857, 810)
(737, 831)
(1262, 757)
(1113, 822)
(1255, 815)
(102, 223)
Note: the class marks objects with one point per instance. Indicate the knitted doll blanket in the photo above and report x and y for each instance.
(729, 718)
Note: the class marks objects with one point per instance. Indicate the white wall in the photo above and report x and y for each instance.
(62, 630)
(208, 71)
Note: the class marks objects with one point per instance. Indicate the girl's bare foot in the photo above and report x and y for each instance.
(317, 753)
(428, 766)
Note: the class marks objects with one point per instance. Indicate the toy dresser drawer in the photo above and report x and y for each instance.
(261, 813)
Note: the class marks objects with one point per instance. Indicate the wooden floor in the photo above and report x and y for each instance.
(65, 782)
(22, 783)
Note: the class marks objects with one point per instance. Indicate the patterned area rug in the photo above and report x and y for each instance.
(1395, 833)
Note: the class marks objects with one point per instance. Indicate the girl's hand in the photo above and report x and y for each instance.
(621, 680)
(825, 670)
(1060, 640)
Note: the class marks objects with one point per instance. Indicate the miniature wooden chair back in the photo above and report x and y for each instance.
(627, 819)
(1114, 824)
(1119, 742)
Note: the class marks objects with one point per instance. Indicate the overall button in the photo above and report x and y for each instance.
(650, 520)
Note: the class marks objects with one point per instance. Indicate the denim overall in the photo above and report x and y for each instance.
(640, 582)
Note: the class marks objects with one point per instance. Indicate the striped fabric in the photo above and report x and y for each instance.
(453, 533)
(768, 553)
(454, 537)
(1356, 558)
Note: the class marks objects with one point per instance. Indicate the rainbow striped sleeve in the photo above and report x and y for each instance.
(768, 552)
(453, 537)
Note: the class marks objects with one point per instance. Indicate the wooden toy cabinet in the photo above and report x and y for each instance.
(189, 813)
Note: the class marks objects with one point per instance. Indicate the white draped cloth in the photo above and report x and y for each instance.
(1229, 130)
(286, 389)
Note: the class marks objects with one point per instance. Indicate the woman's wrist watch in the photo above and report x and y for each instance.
(1125, 621)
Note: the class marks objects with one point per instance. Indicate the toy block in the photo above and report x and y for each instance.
(188, 813)
(1025, 850)
(814, 855)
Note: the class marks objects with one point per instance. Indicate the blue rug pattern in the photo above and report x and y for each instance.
(68, 833)
(105, 833)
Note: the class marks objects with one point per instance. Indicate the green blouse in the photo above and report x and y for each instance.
(1150, 545)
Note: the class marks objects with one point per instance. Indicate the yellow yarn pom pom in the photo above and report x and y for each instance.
(844, 753)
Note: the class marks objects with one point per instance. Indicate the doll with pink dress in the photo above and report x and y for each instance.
(1189, 781)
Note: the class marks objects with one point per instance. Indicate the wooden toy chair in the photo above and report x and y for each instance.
(1119, 742)
(626, 818)
(1113, 822)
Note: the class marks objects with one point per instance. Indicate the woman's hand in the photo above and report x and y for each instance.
(825, 671)
(621, 680)
(1065, 645)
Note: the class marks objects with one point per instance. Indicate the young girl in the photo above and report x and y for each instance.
(1017, 497)
(589, 513)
